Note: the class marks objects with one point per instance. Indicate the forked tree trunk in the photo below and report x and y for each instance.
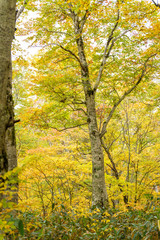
(8, 159)
(99, 193)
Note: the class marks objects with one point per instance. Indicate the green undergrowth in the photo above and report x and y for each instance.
(96, 225)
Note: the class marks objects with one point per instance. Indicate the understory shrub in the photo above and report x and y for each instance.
(96, 225)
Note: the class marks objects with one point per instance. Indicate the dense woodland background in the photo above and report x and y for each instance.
(88, 137)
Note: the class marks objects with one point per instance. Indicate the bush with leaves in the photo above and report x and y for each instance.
(94, 225)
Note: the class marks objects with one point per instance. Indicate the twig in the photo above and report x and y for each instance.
(66, 128)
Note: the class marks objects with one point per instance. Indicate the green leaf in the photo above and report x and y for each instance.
(53, 205)
(136, 236)
(20, 227)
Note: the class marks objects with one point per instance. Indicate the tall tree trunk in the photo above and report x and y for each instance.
(8, 159)
(99, 193)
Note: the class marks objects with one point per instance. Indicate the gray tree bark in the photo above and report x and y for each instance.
(99, 193)
(8, 158)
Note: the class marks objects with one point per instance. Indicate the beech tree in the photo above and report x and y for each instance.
(91, 49)
(8, 156)
(8, 159)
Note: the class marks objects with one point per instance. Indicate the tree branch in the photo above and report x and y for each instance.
(69, 51)
(116, 174)
(20, 11)
(66, 128)
(83, 20)
(124, 95)
(59, 32)
(157, 5)
(12, 122)
(106, 54)
(111, 160)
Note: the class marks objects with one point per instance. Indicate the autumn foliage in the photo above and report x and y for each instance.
(88, 137)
